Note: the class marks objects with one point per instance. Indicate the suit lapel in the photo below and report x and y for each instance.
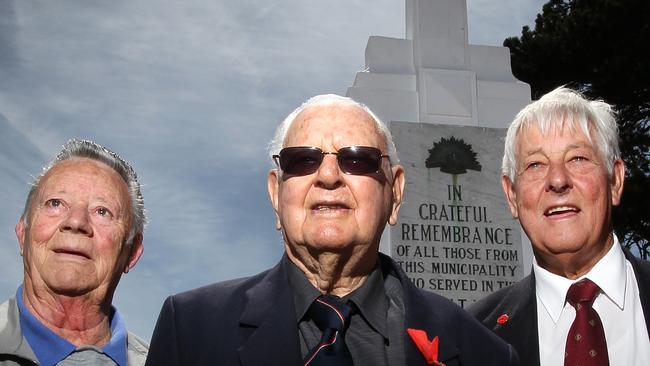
(418, 315)
(523, 312)
(520, 330)
(427, 321)
(642, 274)
(271, 318)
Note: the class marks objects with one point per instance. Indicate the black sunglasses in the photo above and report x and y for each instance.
(304, 160)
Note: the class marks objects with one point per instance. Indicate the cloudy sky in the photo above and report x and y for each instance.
(190, 92)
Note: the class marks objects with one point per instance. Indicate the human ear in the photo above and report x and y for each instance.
(273, 188)
(617, 181)
(511, 195)
(20, 233)
(136, 251)
(398, 192)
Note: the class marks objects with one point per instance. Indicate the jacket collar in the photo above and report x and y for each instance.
(12, 341)
(642, 273)
(419, 315)
(521, 328)
(269, 313)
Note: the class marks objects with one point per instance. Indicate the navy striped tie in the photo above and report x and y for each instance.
(332, 317)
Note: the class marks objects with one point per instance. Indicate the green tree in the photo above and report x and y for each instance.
(600, 47)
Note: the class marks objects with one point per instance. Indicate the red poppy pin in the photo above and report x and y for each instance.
(502, 319)
(428, 348)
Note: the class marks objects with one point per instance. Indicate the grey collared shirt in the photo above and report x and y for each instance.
(376, 332)
(87, 356)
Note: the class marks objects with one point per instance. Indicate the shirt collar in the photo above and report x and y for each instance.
(304, 293)
(370, 298)
(372, 302)
(50, 348)
(116, 346)
(608, 273)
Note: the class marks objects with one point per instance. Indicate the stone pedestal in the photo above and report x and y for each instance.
(434, 76)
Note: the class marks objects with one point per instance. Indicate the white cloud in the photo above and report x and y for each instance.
(190, 92)
(490, 22)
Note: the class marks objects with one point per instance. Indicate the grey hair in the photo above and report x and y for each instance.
(564, 108)
(76, 148)
(324, 100)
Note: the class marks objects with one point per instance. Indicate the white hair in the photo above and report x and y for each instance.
(324, 100)
(75, 148)
(561, 109)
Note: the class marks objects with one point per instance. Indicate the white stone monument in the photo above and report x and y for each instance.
(435, 77)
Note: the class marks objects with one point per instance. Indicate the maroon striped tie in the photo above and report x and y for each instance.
(585, 343)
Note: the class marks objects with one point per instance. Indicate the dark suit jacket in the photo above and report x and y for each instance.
(252, 321)
(519, 302)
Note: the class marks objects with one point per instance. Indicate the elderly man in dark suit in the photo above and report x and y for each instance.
(332, 299)
(587, 299)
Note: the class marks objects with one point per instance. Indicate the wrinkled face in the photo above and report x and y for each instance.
(563, 195)
(328, 210)
(79, 220)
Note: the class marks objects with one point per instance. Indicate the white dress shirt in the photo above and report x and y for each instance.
(618, 306)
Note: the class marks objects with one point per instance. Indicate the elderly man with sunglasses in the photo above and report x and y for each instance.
(332, 299)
